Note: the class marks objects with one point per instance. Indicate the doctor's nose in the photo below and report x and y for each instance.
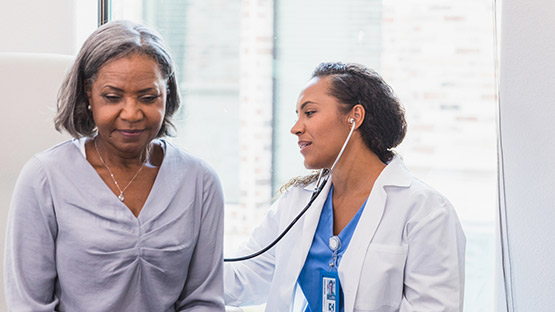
(297, 129)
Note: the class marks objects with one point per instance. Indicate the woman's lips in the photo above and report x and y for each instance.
(130, 133)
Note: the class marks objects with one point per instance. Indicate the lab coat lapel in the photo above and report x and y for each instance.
(303, 241)
(351, 264)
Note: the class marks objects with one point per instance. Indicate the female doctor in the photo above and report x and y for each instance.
(376, 238)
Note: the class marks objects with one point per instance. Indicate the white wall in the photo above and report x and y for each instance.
(33, 26)
(38, 26)
(527, 123)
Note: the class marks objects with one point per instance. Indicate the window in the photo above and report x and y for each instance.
(242, 63)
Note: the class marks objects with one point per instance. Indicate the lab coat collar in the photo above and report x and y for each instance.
(395, 174)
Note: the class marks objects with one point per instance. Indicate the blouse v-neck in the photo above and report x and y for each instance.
(80, 144)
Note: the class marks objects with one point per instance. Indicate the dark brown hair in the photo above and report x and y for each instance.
(384, 126)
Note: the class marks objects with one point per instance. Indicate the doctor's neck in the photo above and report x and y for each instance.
(357, 170)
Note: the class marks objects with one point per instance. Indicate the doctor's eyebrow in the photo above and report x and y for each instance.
(303, 106)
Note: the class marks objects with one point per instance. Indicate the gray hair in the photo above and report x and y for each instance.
(111, 41)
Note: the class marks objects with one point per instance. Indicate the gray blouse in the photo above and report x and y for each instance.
(73, 246)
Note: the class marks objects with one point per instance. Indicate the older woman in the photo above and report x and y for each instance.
(117, 219)
(376, 238)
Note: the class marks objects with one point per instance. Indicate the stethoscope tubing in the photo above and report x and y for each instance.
(273, 243)
(315, 194)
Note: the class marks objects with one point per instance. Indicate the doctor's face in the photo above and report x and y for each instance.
(321, 128)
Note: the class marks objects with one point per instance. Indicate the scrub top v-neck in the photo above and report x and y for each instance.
(320, 254)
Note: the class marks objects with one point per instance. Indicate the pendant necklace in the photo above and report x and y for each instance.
(120, 197)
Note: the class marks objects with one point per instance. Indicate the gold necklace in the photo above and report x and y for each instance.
(120, 197)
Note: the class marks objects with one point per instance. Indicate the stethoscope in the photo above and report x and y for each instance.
(317, 190)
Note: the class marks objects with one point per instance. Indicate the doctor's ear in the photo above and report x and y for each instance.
(357, 115)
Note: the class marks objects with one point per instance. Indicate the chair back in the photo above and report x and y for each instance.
(29, 86)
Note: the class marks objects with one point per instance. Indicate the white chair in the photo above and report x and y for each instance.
(29, 86)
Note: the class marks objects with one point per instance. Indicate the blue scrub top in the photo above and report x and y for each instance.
(320, 254)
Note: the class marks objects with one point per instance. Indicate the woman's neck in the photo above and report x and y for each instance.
(357, 171)
(114, 158)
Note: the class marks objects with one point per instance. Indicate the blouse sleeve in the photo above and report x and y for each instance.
(203, 290)
(434, 271)
(29, 263)
(248, 282)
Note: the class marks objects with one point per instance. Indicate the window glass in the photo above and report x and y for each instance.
(241, 64)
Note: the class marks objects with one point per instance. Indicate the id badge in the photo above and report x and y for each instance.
(329, 291)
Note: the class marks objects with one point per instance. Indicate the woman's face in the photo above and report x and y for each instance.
(321, 128)
(128, 102)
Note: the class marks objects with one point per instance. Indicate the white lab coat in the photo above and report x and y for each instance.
(406, 253)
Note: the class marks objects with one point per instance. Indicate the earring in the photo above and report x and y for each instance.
(89, 107)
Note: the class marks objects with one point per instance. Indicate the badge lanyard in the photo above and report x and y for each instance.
(329, 285)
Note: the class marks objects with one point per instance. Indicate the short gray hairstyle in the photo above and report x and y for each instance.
(111, 41)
